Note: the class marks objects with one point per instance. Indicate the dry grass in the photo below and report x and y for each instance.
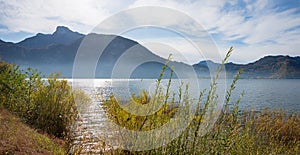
(267, 132)
(17, 138)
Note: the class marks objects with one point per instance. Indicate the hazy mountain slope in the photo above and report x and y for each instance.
(54, 56)
(124, 58)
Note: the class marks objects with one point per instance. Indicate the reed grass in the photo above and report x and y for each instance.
(235, 132)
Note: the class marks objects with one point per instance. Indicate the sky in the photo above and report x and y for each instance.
(255, 28)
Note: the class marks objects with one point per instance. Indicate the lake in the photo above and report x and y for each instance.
(259, 93)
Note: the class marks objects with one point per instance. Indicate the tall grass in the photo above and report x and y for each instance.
(47, 105)
(233, 133)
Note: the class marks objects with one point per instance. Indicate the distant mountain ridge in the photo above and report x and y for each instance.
(56, 53)
(273, 67)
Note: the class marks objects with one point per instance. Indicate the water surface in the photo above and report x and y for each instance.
(259, 93)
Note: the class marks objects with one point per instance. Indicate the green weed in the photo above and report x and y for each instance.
(233, 133)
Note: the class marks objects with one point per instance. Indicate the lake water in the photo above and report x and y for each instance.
(259, 93)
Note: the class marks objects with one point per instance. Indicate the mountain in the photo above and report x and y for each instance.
(56, 53)
(274, 67)
(124, 58)
(62, 35)
(2, 42)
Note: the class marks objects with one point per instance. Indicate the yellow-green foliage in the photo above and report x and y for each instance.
(233, 133)
(54, 107)
(48, 105)
(278, 126)
(134, 122)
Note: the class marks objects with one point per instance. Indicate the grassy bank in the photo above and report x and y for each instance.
(18, 138)
(49, 106)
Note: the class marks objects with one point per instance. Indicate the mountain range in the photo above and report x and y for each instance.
(124, 58)
(271, 67)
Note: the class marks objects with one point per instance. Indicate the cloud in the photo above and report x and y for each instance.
(187, 50)
(43, 16)
(255, 27)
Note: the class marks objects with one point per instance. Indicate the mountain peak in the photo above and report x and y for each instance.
(62, 30)
(63, 35)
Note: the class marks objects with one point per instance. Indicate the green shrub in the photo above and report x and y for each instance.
(233, 133)
(47, 105)
(54, 107)
(14, 90)
(135, 122)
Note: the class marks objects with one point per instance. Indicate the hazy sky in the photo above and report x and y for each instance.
(254, 27)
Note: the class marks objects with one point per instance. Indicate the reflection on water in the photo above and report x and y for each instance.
(259, 93)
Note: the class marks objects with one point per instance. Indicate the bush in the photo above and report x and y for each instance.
(233, 133)
(134, 122)
(47, 105)
(54, 107)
